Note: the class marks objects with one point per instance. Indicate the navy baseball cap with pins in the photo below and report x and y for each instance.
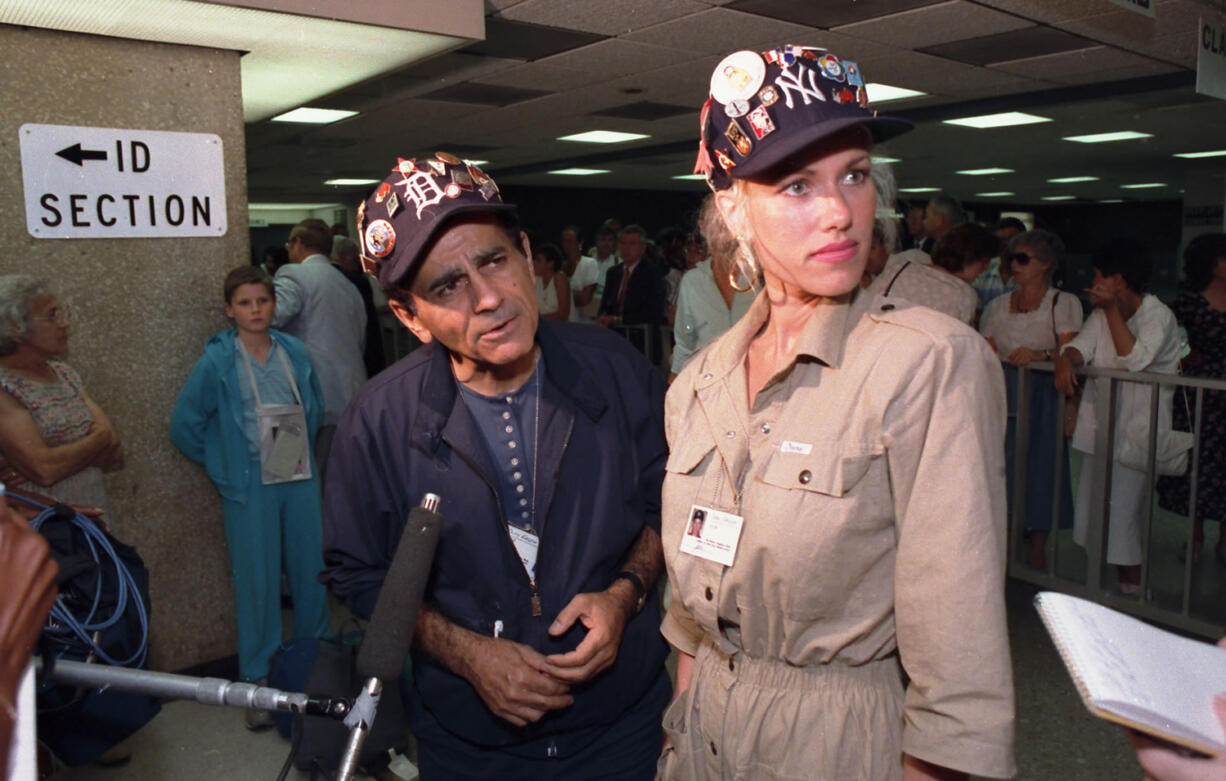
(399, 218)
(764, 107)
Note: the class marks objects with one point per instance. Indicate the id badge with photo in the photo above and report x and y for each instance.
(284, 444)
(712, 535)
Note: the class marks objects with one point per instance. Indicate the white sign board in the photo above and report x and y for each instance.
(1211, 60)
(1143, 7)
(104, 183)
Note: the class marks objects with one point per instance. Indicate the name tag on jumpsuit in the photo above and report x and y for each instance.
(712, 535)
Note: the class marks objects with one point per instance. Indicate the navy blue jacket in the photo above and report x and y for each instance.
(601, 463)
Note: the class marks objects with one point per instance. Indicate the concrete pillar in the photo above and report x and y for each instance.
(142, 307)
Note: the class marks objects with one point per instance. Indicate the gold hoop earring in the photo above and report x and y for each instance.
(745, 258)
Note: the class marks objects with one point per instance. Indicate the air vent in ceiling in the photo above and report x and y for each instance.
(645, 110)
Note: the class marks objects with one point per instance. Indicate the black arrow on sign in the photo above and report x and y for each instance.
(75, 154)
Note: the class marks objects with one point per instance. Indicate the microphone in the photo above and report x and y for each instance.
(390, 632)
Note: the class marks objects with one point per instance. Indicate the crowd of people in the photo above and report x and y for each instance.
(791, 483)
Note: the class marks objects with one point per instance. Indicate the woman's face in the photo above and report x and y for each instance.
(695, 253)
(541, 265)
(48, 325)
(1034, 270)
(812, 218)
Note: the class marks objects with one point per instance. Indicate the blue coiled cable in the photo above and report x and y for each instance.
(63, 622)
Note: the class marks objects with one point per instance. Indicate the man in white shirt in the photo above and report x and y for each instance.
(584, 276)
(319, 306)
(605, 255)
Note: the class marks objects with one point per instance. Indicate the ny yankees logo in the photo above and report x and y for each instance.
(421, 189)
(789, 81)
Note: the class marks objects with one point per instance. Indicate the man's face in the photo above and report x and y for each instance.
(631, 246)
(934, 223)
(605, 243)
(297, 252)
(570, 244)
(915, 221)
(475, 293)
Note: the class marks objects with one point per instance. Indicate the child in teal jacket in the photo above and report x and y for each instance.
(256, 383)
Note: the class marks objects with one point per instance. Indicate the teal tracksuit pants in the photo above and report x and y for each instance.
(279, 525)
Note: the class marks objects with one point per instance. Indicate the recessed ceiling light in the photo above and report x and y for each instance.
(1198, 155)
(919, 189)
(1059, 197)
(880, 93)
(350, 182)
(885, 160)
(266, 207)
(1142, 186)
(992, 195)
(984, 171)
(579, 171)
(603, 137)
(1007, 119)
(1073, 179)
(1102, 138)
(691, 177)
(314, 116)
(476, 162)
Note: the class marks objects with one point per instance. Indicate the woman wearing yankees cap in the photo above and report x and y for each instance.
(841, 614)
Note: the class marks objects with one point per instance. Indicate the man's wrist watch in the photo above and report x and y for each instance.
(640, 590)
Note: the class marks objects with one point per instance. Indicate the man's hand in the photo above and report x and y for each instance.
(605, 614)
(514, 681)
(1101, 297)
(1024, 355)
(1066, 375)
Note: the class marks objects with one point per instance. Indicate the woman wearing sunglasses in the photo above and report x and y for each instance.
(1031, 324)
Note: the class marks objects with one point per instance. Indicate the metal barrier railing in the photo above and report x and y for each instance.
(1095, 586)
(653, 341)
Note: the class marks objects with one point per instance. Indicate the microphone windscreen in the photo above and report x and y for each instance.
(390, 632)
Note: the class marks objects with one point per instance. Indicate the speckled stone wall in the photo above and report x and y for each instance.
(142, 308)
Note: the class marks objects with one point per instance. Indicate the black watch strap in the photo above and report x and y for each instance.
(640, 590)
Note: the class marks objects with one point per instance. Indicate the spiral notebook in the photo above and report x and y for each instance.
(1138, 675)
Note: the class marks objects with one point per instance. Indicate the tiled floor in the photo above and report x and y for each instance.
(1056, 737)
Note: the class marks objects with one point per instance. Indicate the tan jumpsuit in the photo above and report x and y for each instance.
(870, 474)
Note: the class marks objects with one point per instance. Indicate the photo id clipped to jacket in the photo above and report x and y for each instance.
(712, 535)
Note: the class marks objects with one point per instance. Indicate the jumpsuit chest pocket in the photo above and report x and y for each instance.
(827, 513)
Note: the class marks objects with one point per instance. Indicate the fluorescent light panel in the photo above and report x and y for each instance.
(1142, 186)
(992, 195)
(919, 189)
(1059, 197)
(314, 116)
(1073, 179)
(1006, 119)
(1102, 138)
(1199, 155)
(691, 177)
(477, 163)
(342, 182)
(984, 171)
(603, 137)
(1112, 200)
(283, 66)
(881, 160)
(883, 93)
(580, 171)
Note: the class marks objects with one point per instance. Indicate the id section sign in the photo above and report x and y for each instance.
(102, 183)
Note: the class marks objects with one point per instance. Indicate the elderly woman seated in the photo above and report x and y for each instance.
(53, 436)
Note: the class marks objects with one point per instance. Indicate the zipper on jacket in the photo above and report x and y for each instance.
(536, 599)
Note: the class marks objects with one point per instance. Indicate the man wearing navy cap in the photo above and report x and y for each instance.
(537, 652)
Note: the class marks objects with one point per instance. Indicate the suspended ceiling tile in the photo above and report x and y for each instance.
(604, 17)
(1031, 41)
(685, 83)
(1096, 64)
(720, 31)
(644, 110)
(1049, 11)
(523, 41)
(544, 75)
(618, 56)
(935, 24)
(826, 14)
(937, 76)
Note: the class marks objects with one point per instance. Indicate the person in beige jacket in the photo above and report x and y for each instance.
(846, 454)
